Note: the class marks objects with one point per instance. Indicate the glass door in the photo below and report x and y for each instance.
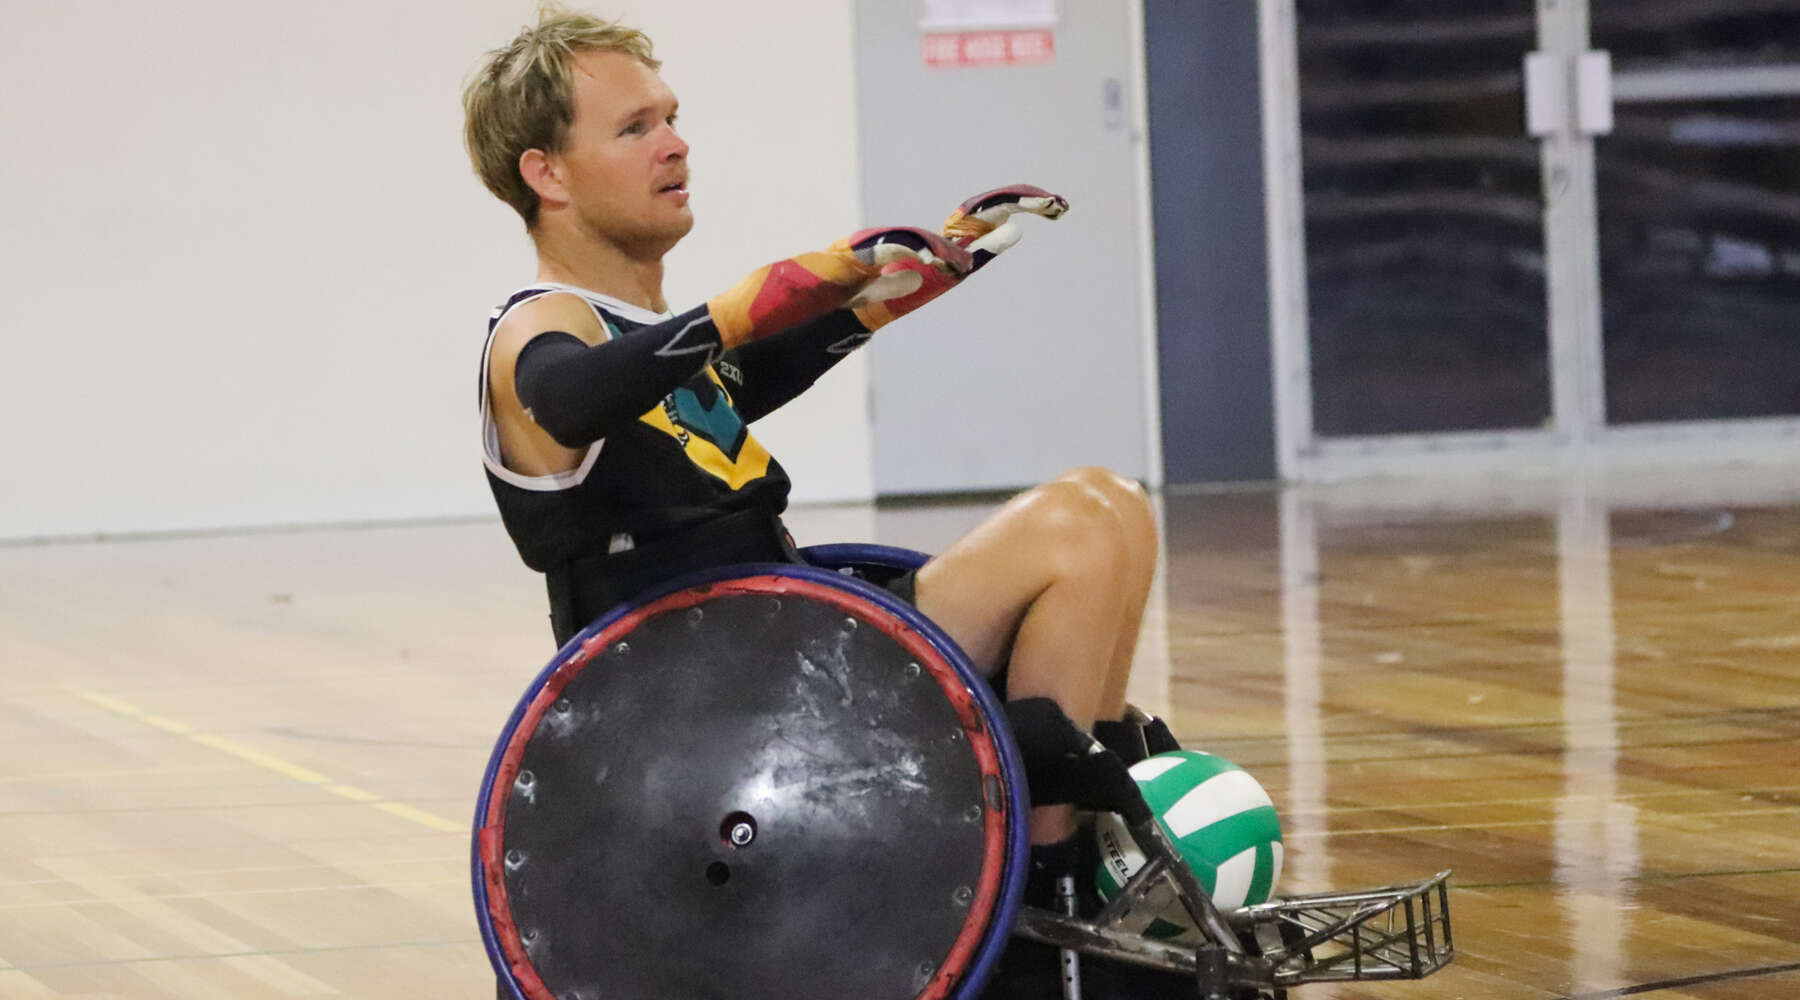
(1509, 231)
(1698, 193)
(1423, 218)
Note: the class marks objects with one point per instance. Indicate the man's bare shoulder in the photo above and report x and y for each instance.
(561, 311)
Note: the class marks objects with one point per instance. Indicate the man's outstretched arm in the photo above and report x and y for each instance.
(765, 375)
(579, 392)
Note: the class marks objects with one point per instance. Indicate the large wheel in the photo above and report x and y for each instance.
(765, 782)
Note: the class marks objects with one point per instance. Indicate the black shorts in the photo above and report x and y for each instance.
(904, 586)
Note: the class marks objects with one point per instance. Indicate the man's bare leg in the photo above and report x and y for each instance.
(1051, 586)
(1144, 547)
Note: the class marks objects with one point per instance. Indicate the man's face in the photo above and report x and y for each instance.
(626, 166)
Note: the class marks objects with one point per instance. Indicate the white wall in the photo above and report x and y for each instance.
(246, 268)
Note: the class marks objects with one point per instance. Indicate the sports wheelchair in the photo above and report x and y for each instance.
(781, 781)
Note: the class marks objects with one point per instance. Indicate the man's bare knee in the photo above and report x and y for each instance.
(1131, 505)
(1080, 531)
(1126, 495)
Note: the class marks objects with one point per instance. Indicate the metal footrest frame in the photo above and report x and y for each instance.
(1393, 932)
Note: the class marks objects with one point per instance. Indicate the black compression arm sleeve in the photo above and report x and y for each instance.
(581, 393)
(765, 374)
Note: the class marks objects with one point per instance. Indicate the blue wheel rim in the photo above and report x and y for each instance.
(1012, 770)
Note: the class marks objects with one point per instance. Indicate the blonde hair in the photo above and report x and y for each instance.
(523, 96)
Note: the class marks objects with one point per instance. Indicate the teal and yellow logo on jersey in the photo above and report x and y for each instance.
(700, 416)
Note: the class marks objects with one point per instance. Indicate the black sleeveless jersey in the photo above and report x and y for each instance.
(686, 462)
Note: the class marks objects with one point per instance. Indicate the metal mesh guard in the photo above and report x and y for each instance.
(1396, 932)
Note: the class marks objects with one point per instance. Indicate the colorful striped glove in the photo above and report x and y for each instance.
(790, 292)
(983, 225)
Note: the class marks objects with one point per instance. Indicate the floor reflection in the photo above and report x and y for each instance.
(1578, 690)
(1595, 834)
(1303, 690)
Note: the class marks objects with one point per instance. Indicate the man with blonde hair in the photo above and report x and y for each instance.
(615, 430)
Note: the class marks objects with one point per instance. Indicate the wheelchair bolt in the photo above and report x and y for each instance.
(849, 624)
(528, 935)
(927, 968)
(622, 648)
(963, 894)
(738, 829)
(911, 671)
(515, 858)
(956, 736)
(525, 780)
(694, 615)
(973, 815)
(562, 706)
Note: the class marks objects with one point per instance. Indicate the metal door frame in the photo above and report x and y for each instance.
(1578, 434)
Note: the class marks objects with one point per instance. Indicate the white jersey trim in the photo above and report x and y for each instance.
(637, 314)
(490, 431)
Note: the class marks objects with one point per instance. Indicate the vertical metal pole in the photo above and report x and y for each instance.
(1285, 223)
(1139, 116)
(1071, 959)
(1571, 248)
(1211, 974)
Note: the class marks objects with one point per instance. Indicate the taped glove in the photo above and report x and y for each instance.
(790, 292)
(983, 225)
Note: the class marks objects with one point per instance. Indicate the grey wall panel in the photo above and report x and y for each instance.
(1037, 363)
(1212, 299)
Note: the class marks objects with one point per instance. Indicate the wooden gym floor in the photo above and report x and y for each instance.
(242, 766)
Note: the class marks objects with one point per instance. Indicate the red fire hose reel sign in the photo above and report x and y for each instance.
(989, 48)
